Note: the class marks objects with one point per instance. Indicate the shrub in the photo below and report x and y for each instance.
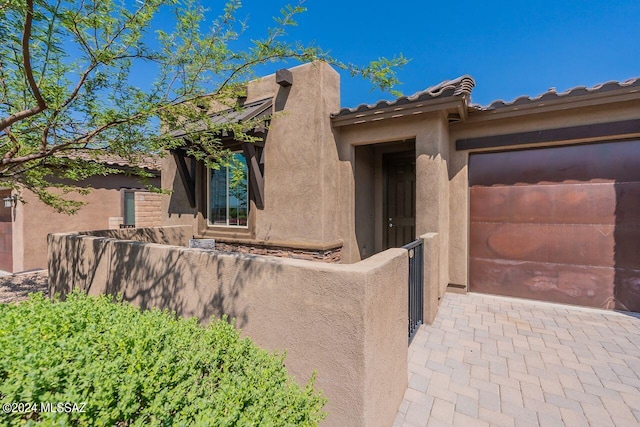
(140, 368)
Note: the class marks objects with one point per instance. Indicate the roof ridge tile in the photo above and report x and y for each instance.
(552, 94)
(460, 86)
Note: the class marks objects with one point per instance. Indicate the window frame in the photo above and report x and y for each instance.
(126, 192)
(208, 198)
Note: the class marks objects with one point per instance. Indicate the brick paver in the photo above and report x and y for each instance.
(489, 360)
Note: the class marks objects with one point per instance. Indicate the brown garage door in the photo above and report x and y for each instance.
(558, 224)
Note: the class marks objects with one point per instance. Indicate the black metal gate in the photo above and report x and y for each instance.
(416, 279)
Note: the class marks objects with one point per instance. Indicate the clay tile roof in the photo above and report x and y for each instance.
(151, 163)
(552, 95)
(460, 87)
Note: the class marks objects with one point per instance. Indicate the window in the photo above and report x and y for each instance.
(228, 196)
(129, 214)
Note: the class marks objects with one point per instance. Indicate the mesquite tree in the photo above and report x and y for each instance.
(67, 94)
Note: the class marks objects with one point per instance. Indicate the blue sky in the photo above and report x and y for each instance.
(510, 48)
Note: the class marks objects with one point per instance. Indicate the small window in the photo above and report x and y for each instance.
(228, 195)
(129, 214)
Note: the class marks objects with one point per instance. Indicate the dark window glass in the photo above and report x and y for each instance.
(129, 208)
(229, 193)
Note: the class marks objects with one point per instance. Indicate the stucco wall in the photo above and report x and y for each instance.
(431, 277)
(442, 204)
(34, 220)
(172, 235)
(347, 322)
(148, 207)
(301, 160)
(430, 133)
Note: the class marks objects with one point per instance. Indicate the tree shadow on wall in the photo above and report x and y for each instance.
(160, 235)
(82, 261)
(75, 262)
(191, 282)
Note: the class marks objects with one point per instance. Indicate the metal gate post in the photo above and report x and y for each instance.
(416, 284)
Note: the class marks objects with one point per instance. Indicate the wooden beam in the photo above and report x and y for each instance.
(188, 181)
(598, 130)
(256, 178)
(284, 77)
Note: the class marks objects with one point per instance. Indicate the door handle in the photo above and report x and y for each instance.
(390, 223)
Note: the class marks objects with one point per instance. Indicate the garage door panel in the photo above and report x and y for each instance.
(557, 243)
(568, 284)
(559, 224)
(627, 289)
(577, 163)
(627, 246)
(562, 203)
(628, 202)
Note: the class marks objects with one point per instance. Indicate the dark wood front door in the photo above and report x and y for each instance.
(400, 199)
(558, 224)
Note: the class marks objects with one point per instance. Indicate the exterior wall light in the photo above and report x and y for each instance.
(10, 201)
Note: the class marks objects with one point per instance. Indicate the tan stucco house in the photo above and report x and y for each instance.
(537, 197)
(115, 200)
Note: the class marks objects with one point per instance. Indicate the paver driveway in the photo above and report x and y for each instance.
(507, 362)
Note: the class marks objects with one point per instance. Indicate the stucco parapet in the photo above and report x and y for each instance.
(78, 237)
(272, 77)
(266, 86)
(65, 234)
(90, 232)
(372, 263)
(280, 243)
(166, 235)
(380, 259)
(429, 236)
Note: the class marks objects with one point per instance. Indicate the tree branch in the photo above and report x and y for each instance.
(49, 44)
(26, 58)
(16, 145)
(89, 136)
(94, 61)
(26, 36)
(36, 156)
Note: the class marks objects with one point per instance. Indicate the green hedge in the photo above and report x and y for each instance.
(140, 368)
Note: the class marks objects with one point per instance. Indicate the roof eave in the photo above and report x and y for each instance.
(412, 109)
(265, 104)
(479, 114)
